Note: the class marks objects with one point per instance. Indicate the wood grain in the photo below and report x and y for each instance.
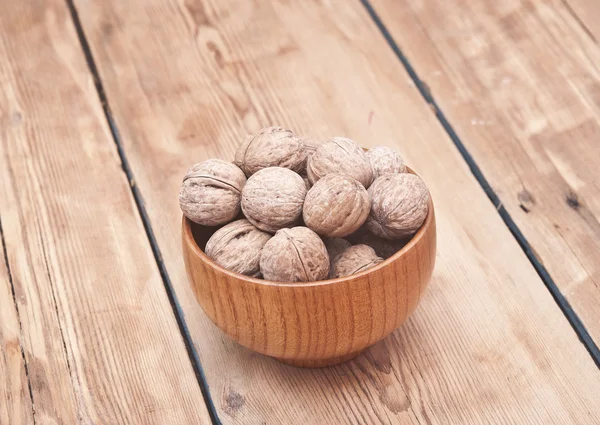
(587, 13)
(187, 80)
(311, 324)
(520, 82)
(15, 402)
(99, 338)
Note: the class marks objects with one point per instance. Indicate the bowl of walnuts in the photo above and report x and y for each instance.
(309, 253)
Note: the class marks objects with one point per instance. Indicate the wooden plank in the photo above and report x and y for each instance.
(520, 82)
(99, 336)
(487, 344)
(15, 403)
(587, 13)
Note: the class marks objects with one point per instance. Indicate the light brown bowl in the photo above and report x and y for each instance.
(311, 324)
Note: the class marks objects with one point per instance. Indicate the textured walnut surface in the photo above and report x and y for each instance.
(343, 156)
(237, 247)
(384, 160)
(399, 205)
(271, 147)
(295, 255)
(354, 260)
(306, 182)
(310, 145)
(335, 246)
(273, 198)
(211, 191)
(336, 206)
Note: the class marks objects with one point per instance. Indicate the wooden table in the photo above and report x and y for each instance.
(103, 106)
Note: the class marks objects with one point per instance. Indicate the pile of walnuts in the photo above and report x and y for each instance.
(310, 211)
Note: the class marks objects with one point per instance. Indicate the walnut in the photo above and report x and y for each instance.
(295, 255)
(271, 147)
(310, 145)
(336, 206)
(354, 260)
(343, 156)
(335, 246)
(272, 198)
(399, 205)
(384, 160)
(383, 247)
(306, 182)
(237, 247)
(211, 191)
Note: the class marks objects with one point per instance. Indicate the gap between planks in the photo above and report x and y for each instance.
(562, 302)
(581, 23)
(139, 202)
(14, 297)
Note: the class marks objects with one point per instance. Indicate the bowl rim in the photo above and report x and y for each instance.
(189, 240)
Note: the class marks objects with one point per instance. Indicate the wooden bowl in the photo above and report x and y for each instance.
(312, 324)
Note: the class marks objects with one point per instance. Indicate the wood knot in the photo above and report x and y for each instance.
(16, 119)
(193, 132)
(526, 200)
(572, 200)
(107, 30)
(234, 401)
(197, 13)
(218, 56)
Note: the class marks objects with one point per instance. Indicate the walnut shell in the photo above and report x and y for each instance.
(342, 156)
(354, 260)
(384, 160)
(310, 145)
(295, 255)
(399, 205)
(383, 247)
(271, 147)
(335, 246)
(336, 206)
(237, 247)
(272, 198)
(306, 182)
(210, 193)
